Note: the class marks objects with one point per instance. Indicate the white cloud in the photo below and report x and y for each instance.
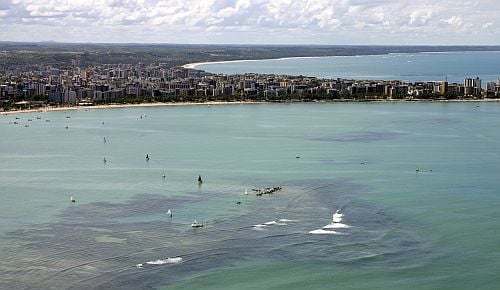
(455, 21)
(252, 21)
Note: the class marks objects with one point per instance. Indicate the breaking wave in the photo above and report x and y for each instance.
(174, 260)
(324, 232)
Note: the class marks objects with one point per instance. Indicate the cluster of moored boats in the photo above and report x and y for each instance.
(267, 190)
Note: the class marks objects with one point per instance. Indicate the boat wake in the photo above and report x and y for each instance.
(280, 222)
(324, 232)
(336, 226)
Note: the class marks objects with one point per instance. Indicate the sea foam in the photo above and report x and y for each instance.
(336, 226)
(174, 260)
(323, 232)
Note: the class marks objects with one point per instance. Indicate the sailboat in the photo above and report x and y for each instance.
(195, 224)
(169, 213)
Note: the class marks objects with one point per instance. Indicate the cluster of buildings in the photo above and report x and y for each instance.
(159, 82)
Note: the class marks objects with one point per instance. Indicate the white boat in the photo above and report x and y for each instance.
(337, 216)
(72, 199)
(169, 213)
(195, 224)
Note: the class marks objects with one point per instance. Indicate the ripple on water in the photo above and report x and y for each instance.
(97, 249)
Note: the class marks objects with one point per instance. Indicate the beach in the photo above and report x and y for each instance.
(159, 104)
(114, 106)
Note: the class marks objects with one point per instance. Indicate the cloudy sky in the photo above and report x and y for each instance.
(253, 21)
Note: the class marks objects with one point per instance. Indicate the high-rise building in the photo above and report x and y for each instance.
(443, 88)
(477, 85)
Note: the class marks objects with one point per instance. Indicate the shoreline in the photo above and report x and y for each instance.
(119, 106)
(195, 64)
(143, 105)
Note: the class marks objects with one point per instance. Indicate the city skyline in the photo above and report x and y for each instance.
(312, 22)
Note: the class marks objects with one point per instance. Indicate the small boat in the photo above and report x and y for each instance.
(26, 125)
(169, 213)
(163, 175)
(147, 157)
(38, 118)
(104, 139)
(195, 224)
(200, 181)
(72, 199)
(337, 216)
(417, 169)
(246, 191)
(104, 160)
(67, 117)
(297, 156)
(67, 127)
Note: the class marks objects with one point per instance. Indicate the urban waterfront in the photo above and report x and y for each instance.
(431, 228)
(457, 75)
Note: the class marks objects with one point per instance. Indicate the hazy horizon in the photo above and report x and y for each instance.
(253, 44)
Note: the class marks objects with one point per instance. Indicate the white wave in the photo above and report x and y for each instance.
(174, 260)
(336, 226)
(323, 232)
(259, 226)
(275, 223)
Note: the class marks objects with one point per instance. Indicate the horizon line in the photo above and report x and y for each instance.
(246, 44)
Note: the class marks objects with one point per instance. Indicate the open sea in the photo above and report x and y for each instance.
(399, 228)
(451, 66)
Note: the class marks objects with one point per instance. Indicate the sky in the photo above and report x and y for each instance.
(392, 22)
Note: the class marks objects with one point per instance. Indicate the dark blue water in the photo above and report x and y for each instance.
(454, 66)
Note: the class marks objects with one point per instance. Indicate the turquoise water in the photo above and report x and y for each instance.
(432, 229)
(454, 66)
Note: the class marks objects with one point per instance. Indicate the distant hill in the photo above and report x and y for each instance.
(89, 54)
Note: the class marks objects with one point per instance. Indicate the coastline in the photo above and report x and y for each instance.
(118, 106)
(195, 64)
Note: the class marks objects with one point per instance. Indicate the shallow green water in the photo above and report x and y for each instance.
(432, 229)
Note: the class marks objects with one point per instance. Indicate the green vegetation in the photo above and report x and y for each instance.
(61, 54)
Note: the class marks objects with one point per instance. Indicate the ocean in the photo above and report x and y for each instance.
(416, 185)
(451, 66)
